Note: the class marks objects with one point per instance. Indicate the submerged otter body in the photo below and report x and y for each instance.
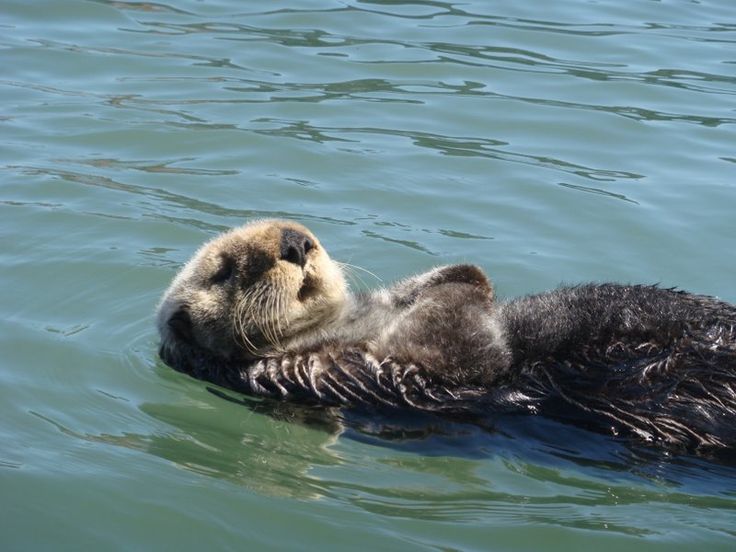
(263, 310)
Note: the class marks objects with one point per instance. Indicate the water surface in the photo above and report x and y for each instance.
(566, 141)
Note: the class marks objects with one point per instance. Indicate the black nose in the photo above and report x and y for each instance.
(295, 246)
(181, 324)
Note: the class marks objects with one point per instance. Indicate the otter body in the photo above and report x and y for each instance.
(263, 310)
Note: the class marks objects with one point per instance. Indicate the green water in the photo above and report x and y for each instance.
(544, 141)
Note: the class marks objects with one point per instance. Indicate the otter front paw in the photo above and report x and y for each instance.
(406, 292)
(464, 274)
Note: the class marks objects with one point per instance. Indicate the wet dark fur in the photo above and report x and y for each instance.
(652, 364)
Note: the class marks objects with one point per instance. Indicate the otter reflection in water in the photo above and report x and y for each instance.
(262, 309)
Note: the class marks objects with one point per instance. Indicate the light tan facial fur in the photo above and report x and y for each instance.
(252, 290)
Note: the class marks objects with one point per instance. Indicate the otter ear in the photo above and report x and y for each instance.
(181, 324)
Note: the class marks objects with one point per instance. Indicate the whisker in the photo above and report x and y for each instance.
(353, 276)
(360, 268)
(263, 320)
(251, 311)
(272, 318)
(240, 335)
(270, 312)
(280, 311)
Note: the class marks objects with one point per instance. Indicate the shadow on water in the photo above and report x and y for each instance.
(540, 443)
(510, 470)
(586, 470)
(533, 439)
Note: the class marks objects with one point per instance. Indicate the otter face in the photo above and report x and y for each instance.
(248, 292)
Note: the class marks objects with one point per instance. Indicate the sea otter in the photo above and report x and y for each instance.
(262, 309)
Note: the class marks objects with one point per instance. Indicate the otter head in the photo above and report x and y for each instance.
(249, 292)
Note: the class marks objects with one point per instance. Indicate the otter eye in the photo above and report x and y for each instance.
(225, 271)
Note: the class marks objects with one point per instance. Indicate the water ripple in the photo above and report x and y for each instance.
(581, 141)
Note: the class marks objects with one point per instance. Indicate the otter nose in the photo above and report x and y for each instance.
(295, 246)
